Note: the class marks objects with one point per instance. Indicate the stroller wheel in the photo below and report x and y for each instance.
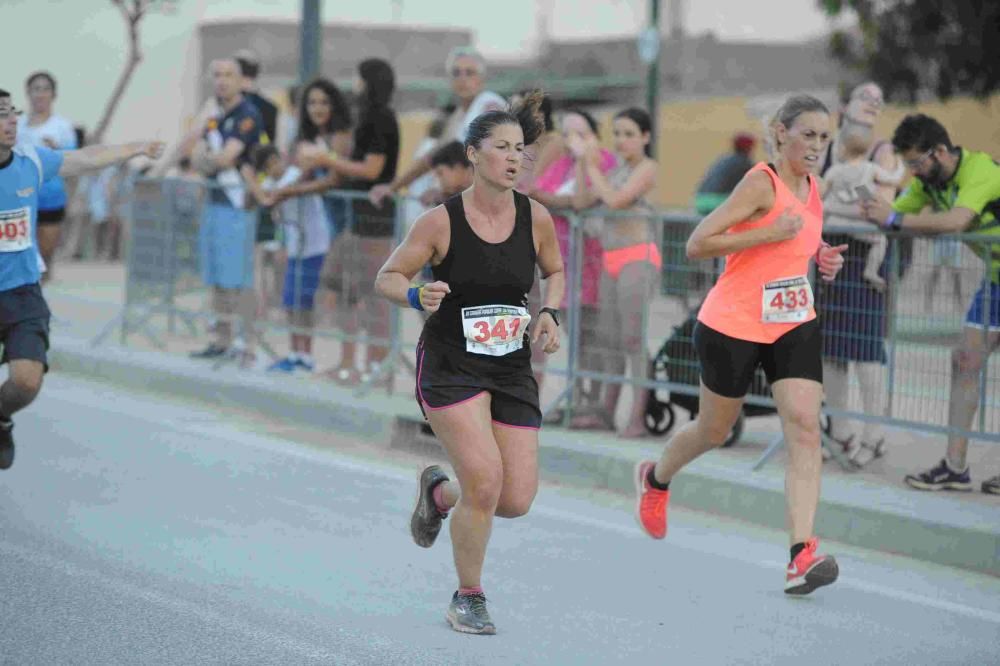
(659, 416)
(734, 434)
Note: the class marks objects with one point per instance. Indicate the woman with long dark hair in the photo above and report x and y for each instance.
(474, 379)
(324, 124)
(368, 240)
(631, 257)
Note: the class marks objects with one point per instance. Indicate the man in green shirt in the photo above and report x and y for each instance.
(955, 191)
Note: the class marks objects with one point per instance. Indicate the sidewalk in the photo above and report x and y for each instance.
(872, 508)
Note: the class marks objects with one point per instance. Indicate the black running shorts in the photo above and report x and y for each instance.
(728, 364)
(24, 324)
(448, 376)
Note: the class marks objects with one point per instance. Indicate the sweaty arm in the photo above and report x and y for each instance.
(753, 194)
(549, 258)
(427, 238)
(92, 158)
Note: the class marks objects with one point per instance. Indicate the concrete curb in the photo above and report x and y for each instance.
(854, 511)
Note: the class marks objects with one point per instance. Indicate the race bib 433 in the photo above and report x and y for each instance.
(494, 330)
(15, 229)
(787, 300)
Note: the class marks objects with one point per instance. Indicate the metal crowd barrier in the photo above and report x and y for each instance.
(612, 322)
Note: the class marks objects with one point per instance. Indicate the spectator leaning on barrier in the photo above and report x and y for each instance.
(852, 311)
(24, 315)
(372, 161)
(467, 69)
(631, 261)
(266, 245)
(227, 230)
(725, 173)
(43, 128)
(961, 189)
(554, 188)
(306, 233)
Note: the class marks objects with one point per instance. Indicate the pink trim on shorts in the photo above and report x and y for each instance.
(427, 405)
(518, 427)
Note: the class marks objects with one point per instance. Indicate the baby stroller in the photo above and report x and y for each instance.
(677, 362)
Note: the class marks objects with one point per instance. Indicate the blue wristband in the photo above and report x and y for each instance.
(894, 221)
(413, 296)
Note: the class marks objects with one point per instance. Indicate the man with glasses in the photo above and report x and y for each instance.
(467, 70)
(955, 190)
(24, 315)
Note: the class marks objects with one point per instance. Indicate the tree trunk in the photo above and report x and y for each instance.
(132, 19)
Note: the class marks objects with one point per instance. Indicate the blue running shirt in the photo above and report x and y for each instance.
(20, 181)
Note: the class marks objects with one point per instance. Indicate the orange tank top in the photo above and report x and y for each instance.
(764, 291)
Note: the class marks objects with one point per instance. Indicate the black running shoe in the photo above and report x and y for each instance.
(426, 521)
(992, 486)
(210, 352)
(6, 444)
(940, 478)
(467, 614)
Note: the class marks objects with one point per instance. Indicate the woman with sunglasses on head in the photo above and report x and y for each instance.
(852, 309)
(474, 380)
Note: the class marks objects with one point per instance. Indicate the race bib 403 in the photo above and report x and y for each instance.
(787, 300)
(494, 330)
(15, 229)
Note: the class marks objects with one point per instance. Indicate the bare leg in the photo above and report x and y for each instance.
(466, 433)
(716, 416)
(836, 389)
(967, 363)
(21, 387)
(871, 381)
(798, 402)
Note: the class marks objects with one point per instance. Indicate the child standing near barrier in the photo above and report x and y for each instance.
(306, 234)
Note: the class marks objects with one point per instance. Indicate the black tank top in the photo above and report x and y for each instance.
(483, 274)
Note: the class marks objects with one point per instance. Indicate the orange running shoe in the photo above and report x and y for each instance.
(809, 570)
(650, 503)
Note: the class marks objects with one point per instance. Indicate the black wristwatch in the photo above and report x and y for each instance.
(554, 313)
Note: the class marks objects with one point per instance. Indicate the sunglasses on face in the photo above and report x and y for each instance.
(870, 98)
(468, 71)
(915, 165)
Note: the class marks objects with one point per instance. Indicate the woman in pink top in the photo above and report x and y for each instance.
(760, 313)
(554, 189)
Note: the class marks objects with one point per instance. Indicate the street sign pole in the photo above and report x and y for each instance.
(310, 33)
(649, 52)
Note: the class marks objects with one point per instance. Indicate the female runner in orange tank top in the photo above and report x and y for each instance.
(760, 312)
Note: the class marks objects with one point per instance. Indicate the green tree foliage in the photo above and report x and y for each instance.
(909, 47)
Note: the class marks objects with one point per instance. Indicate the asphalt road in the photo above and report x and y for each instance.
(137, 529)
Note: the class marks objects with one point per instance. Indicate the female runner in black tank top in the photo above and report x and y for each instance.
(474, 379)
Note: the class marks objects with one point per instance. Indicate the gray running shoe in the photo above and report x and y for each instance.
(467, 614)
(426, 521)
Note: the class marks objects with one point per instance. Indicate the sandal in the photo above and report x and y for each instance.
(864, 453)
